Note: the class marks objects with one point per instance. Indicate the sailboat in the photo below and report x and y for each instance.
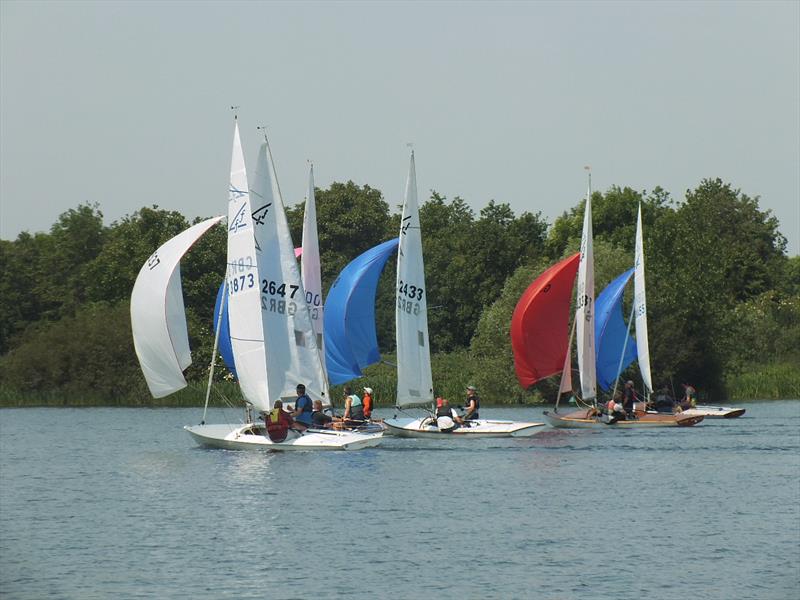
(414, 379)
(640, 309)
(591, 417)
(273, 344)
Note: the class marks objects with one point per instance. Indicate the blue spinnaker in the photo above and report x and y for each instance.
(611, 333)
(351, 342)
(224, 347)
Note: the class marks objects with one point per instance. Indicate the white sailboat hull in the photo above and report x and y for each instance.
(482, 428)
(252, 437)
(715, 412)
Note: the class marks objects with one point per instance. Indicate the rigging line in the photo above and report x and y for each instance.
(216, 346)
(622, 355)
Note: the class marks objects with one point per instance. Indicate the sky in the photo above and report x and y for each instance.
(127, 104)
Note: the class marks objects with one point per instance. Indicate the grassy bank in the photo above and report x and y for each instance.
(452, 372)
(765, 382)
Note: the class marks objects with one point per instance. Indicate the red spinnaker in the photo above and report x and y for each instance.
(540, 325)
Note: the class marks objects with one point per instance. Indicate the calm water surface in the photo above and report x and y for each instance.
(120, 503)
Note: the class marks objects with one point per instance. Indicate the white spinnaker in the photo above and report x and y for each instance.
(310, 267)
(640, 309)
(243, 287)
(292, 356)
(158, 318)
(584, 315)
(414, 381)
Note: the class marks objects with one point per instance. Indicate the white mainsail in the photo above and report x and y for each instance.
(244, 287)
(292, 356)
(414, 381)
(640, 309)
(584, 315)
(158, 318)
(310, 266)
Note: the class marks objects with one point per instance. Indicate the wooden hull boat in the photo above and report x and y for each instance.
(590, 419)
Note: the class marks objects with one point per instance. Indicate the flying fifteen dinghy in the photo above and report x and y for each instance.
(414, 380)
(272, 341)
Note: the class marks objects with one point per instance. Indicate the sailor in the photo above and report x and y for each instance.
(446, 418)
(278, 422)
(628, 398)
(366, 402)
(353, 408)
(473, 403)
(302, 409)
(664, 403)
(689, 397)
(319, 419)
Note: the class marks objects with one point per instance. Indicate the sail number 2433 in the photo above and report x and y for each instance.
(407, 294)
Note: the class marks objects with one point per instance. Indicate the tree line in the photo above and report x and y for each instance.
(723, 296)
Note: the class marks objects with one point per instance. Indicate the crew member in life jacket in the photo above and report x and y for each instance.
(353, 408)
(689, 399)
(319, 419)
(366, 402)
(278, 422)
(473, 403)
(447, 418)
(302, 409)
(628, 398)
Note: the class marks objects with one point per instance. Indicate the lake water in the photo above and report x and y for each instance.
(120, 503)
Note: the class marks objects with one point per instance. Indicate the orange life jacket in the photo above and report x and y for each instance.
(367, 403)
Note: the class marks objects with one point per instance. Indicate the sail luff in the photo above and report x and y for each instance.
(243, 283)
(640, 308)
(414, 380)
(584, 314)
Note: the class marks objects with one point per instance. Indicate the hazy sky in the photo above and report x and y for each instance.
(127, 104)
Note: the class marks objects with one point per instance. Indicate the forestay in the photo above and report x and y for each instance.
(158, 319)
(351, 342)
(291, 346)
(414, 381)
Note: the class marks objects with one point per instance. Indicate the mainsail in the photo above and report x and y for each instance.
(615, 347)
(244, 287)
(351, 342)
(158, 319)
(584, 314)
(540, 324)
(292, 356)
(310, 265)
(414, 380)
(640, 309)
